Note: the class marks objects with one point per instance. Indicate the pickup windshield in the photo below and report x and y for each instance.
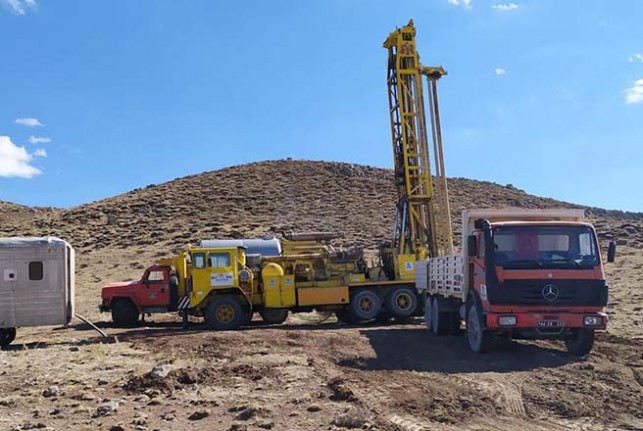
(552, 247)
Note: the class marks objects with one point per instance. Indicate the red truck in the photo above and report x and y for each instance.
(155, 292)
(523, 274)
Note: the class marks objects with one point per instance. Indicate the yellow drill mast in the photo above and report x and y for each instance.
(422, 221)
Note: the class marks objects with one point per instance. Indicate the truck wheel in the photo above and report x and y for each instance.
(124, 313)
(365, 305)
(7, 335)
(274, 316)
(479, 340)
(402, 302)
(428, 313)
(224, 314)
(581, 342)
(439, 319)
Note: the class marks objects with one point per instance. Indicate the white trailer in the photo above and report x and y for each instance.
(36, 284)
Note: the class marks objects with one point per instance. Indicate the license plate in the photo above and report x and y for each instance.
(550, 324)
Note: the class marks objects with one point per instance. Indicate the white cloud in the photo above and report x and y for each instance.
(15, 161)
(500, 71)
(635, 57)
(39, 139)
(40, 152)
(505, 6)
(634, 94)
(464, 3)
(29, 122)
(20, 7)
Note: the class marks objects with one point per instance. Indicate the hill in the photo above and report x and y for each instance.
(266, 198)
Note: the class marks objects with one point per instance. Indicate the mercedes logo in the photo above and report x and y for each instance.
(550, 292)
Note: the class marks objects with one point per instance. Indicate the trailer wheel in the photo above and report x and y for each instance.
(124, 313)
(479, 340)
(581, 342)
(7, 335)
(274, 316)
(439, 319)
(428, 313)
(365, 305)
(402, 302)
(224, 314)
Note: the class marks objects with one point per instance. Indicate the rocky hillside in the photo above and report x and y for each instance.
(266, 198)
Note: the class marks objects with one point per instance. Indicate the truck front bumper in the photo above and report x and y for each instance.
(547, 322)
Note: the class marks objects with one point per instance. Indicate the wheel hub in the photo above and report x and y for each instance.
(225, 313)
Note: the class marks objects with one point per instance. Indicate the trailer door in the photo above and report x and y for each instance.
(8, 280)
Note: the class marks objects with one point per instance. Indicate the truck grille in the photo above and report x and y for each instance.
(538, 292)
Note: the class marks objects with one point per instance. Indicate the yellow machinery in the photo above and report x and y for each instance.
(225, 285)
(422, 220)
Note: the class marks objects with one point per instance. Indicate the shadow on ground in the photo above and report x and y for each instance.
(413, 349)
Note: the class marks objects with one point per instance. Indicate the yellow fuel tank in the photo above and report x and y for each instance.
(278, 289)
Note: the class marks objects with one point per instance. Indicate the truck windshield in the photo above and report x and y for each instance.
(519, 247)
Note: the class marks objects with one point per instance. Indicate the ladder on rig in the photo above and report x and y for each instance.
(422, 220)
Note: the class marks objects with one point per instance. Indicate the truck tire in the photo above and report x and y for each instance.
(224, 314)
(402, 302)
(439, 319)
(124, 313)
(581, 342)
(7, 335)
(274, 316)
(428, 313)
(478, 339)
(365, 305)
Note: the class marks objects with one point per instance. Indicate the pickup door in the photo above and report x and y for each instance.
(156, 288)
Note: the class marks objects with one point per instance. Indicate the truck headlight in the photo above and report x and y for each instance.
(507, 321)
(592, 320)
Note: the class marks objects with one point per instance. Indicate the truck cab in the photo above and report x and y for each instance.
(155, 292)
(535, 279)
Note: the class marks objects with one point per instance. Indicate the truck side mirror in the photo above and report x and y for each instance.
(472, 245)
(611, 252)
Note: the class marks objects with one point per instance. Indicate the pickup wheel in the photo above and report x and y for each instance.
(439, 319)
(124, 313)
(479, 340)
(402, 302)
(365, 305)
(7, 335)
(581, 342)
(274, 316)
(224, 314)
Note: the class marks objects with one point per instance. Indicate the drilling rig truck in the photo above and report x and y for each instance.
(226, 281)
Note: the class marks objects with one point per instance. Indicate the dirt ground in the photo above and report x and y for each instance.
(309, 374)
(304, 374)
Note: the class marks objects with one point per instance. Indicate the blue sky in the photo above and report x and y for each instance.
(101, 97)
